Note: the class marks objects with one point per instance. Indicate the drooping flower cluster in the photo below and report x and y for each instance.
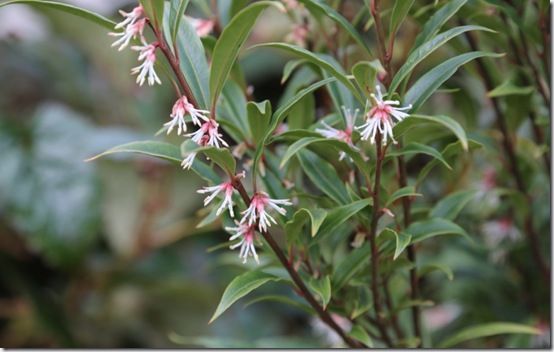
(246, 234)
(257, 210)
(133, 28)
(380, 118)
(342, 135)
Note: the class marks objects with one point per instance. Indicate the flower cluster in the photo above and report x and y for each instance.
(342, 135)
(133, 28)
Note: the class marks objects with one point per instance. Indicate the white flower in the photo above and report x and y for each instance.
(188, 160)
(181, 108)
(227, 188)
(342, 135)
(131, 32)
(379, 118)
(148, 54)
(247, 235)
(208, 135)
(257, 210)
(130, 17)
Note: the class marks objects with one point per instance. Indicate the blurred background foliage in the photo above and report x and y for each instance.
(107, 254)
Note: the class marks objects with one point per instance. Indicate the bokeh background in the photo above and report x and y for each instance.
(107, 253)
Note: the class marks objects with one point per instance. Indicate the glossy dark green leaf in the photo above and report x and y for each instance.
(259, 115)
(450, 206)
(240, 287)
(229, 44)
(399, 12)
(365, 73)
(339, 215)
(437, 20)
(432, 80)
(418, 148)
(422, 230)
(350, 266)
(361, 335)
(402, 240)
(445, 121)
(322, 288)
(408, 191)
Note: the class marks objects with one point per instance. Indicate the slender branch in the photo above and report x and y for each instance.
(376, 214)
(323, 314)
(508, 146)
(384, 55)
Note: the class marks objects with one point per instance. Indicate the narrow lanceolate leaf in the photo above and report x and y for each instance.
(322, 9)
(445, 121)
(509, 88)
(434, 267)
(161, 150)
(313, 58)
(408, 191)
(240, 287)
(229, 43)
(316, 217)
(193, 63)
(350, 266)
(418, 148)
(70, 9)
(426, 49)
(439, 18)
(399, 12)
(433, 79)
(361, 335)
(339, 215)
(324, 176)
(322, 287)
(178, 8)
(450, 206)
(489, 329)
(425, 229)
(259, 115)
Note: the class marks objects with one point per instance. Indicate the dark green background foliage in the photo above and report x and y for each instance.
(120, 252)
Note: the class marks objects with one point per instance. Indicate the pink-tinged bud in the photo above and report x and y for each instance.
(146, 70)
(208, 135)
(181, 108)
(247, 236)
(257, 210)
(227, 189)
(202, 26)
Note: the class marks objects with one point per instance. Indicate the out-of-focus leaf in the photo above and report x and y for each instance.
(361, 335)
(450, 206)
(289, 68)
(232, 109)
(399, 12)
(322, 287)
(282, 299)
(70, 9)
(432, 80)
(350, 266)
(316, 217)
(488, 329)
(160, 150)
(402, 240)
(436, 266)
(415, 148)
(509, 88)
(322, 9)
(177, 12)
(240, 287)
(439, 18)
(365, 73)
(323, 175)
(408, 191)
(425, 229)
(427, 49)
(339, 215)
(443, 120)
(229, 43)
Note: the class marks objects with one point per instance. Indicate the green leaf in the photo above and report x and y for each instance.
(322, 287)
(178, 8)
(350, 266)
(445, 121)
(408, 191)
(193, 63)
(316, 217)
(70, 9)
(160, 150)
(402, 240)
(318, 61)
(281, 299)
(232, 109)
(433, 79)
(259, 115)
(435, 266)
(240, 287)
(439, 18)
(324, 176)
(365, 73)
(221, 156)
(229, 43)
(418, 148)
(425, 229)
(450, 206)
(361, 335)
(399, 12)
(488, 329)
(509, 88)
(426, 49)
(339, 215)
(289, 68)
(322, 9)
